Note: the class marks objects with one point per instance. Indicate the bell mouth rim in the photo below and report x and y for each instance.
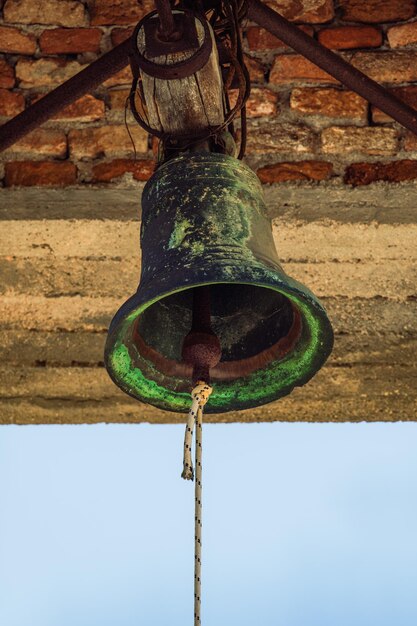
(225, 371)
(311, 350)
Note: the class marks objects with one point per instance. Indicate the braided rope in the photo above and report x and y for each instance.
(200, 394)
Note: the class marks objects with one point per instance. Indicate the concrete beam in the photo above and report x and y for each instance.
(380, 202)
(76, 395)
(68, 259)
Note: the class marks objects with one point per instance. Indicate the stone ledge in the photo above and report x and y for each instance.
(381, 202)
(86, 396)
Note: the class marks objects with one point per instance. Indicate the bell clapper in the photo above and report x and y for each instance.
(201, 349)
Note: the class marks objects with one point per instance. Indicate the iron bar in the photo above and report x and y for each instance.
(333, 64)
(201, 347)
(201, 321)
(53, 102)
(166, 19)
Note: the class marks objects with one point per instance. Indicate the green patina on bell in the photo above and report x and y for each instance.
(204, 223)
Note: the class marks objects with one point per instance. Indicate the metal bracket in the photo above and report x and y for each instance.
(186, 36)
(181, 69)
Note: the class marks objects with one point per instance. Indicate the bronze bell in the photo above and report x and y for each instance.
(204, 223)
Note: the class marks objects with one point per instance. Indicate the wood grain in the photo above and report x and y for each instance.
(186, 105)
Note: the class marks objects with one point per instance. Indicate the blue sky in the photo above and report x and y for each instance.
(303, 525)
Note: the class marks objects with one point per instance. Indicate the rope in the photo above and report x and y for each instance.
(200, 394)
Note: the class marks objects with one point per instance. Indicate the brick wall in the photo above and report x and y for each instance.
(303, 126)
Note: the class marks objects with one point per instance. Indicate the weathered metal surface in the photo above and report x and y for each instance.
(167, 27)
(204, 223)
(201, 347)
(194, 61)
(184, 36)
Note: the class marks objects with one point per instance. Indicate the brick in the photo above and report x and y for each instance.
(57, 12)
(273, 137)
(124, 77)
(11, 103)
(406, 94)
(85, 109)
(105, 13)
(13, 41)
(45, 72)
(107, 172)
(349, 37)
(299, 170)
(70, 40)
(393, 172)
(410, 142)
(117, 99)
(403, 35)
(369, 140)
(256, 70)
(40, 143)
(119, 35)
(329, 102)
(293, 68)
(6, 75)
(260, 39)
(40, 173)
(310, 11)
(388, 67)
(261, 102)
(377, 11)
(108, 141)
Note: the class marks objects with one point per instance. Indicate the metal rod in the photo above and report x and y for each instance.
(333, 64)
(201, 321)
(166, 18)
(201, 347)
(77, 86)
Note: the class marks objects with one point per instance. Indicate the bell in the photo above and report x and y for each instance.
(204, 224)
